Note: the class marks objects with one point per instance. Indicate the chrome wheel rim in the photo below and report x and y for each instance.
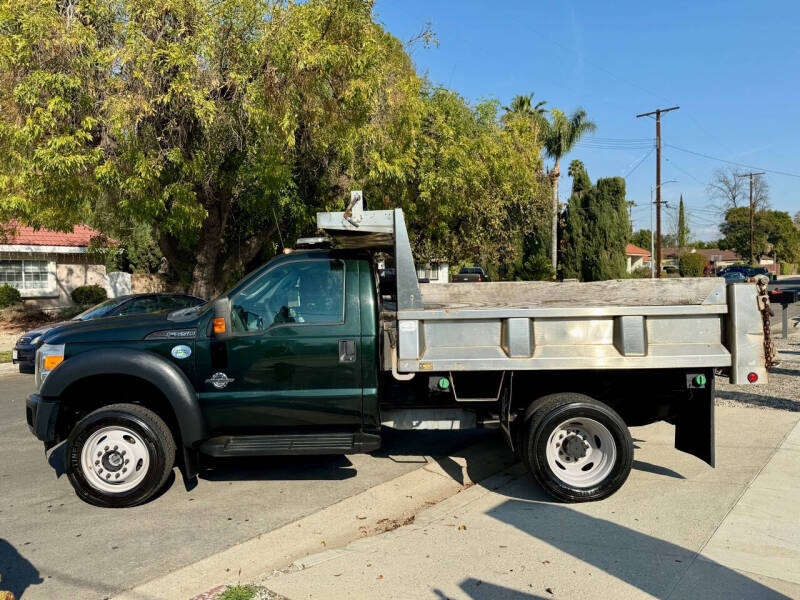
(114, 459)
(581, 452)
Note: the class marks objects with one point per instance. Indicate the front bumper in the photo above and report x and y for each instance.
(42, 415)
(25, 358)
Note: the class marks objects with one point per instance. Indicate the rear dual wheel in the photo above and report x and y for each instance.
(578, 449)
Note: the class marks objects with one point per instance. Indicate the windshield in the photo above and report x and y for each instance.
(97, 311)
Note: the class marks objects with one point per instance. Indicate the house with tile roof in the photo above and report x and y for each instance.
(637, 257)
(45, 266)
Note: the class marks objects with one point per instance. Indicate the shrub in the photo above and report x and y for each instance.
(641, 273)
(787, 268)
(88, 295)
(692, 265)
(9, 296)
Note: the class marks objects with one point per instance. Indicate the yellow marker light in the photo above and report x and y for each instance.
(219, 325)
(51, 361)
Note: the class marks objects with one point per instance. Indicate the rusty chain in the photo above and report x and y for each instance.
(763, 307)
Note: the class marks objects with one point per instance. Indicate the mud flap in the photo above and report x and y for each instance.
(694, 423)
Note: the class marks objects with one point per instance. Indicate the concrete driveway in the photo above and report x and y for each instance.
(52, 545)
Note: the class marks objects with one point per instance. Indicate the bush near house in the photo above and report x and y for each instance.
(641, 273)
(88, 295)
(692, 265)
(787, 268)
(9, 296)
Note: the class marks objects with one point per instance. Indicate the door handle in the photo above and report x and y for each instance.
(347, 351)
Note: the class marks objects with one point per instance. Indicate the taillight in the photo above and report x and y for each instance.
(752, 377)
(479, 278)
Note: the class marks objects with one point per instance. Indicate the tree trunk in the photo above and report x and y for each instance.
(206, 276)
(554, 175)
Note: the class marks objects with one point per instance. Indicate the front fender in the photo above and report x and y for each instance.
(168, 378)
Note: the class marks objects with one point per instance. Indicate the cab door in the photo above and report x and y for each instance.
(293, 357)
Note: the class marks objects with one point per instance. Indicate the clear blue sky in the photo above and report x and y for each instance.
(733, 67)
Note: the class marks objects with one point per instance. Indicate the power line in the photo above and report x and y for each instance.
(682, 170)
(731, 162)
(638, 164)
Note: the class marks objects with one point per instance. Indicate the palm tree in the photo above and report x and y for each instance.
(560, 135)
(523, 104)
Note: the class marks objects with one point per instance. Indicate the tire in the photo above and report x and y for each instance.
(577, 449)
(119, 455)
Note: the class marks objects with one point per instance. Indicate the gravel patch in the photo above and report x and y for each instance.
(783, 390)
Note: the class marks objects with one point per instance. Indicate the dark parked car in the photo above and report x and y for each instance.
(24, 351)
(735, 277)
(746, 271)
(470, 274)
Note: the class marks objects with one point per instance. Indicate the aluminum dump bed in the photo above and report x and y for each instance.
(620, 324)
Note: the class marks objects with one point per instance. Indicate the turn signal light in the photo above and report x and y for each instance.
(51, 361)
(219, 325)
(752, 377)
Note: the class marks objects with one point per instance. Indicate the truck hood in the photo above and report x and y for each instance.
(115, 329)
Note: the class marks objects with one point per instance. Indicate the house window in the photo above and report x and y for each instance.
(24, 274)
(434, 272)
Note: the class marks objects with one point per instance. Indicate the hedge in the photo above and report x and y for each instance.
(692, 265)
(9, 295)
(88, 294)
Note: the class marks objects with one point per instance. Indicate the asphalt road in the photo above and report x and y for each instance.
(52, 545)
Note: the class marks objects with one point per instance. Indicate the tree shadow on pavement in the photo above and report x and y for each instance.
(482, 590)
(17, 572)
(654, 566)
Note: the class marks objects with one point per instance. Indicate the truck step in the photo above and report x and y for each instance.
(313, 443)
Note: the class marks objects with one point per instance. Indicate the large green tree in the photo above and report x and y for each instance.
(773, 233)
(642, 238)
(561, 134)
(596, 228)
(213, 123)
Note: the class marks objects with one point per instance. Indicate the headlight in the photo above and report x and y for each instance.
(34, 340)
(48, 357)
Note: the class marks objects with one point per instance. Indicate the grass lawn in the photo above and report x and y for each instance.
(5, 356)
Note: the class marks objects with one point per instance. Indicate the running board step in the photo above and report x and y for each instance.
(315, 443)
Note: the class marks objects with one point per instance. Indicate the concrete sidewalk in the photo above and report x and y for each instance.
(683, 531)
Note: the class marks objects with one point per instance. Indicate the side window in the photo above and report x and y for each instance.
(176, 302)
(147, 304)
(299, 292)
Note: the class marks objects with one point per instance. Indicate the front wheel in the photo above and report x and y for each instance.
(577, 448)
(119, 455)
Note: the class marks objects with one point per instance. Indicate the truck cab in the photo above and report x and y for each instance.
(299, 354)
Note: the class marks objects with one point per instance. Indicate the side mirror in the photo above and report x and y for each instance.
(221, 321)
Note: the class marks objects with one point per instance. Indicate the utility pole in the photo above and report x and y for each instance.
(752, 214)
(630, 204)
(657, 113)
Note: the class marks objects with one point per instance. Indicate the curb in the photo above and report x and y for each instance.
(382, 508)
